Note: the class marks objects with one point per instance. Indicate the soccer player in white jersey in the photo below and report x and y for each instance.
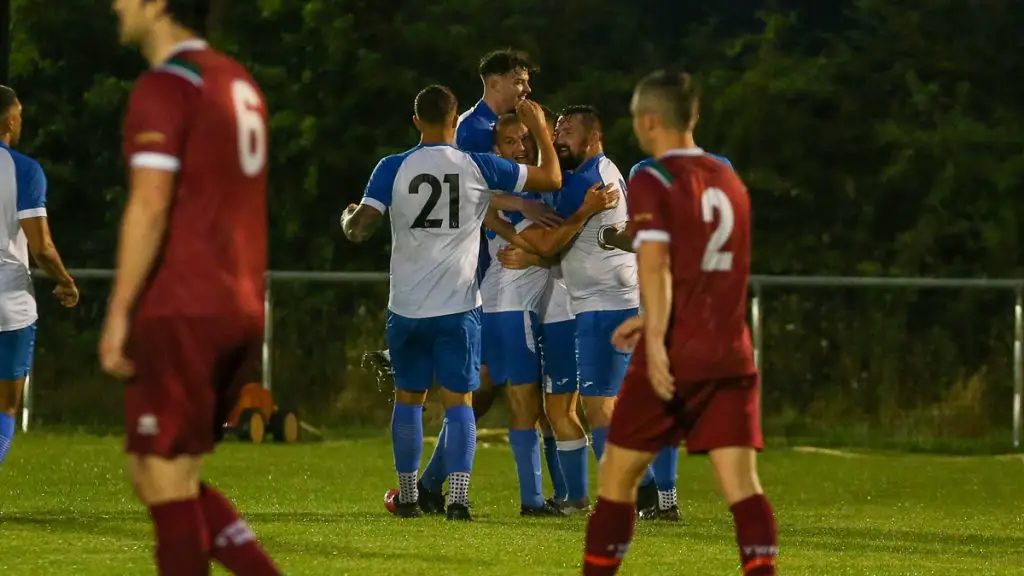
(511, 329)
(602, 286)
(24, 230)
(438, 197)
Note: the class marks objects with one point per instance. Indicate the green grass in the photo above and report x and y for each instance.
(65, 508)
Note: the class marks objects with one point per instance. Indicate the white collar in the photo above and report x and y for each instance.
(188, 46)
(695, 151)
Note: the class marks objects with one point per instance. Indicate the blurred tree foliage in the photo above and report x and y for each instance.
(878, 137)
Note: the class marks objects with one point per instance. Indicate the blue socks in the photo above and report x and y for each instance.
(407, 436)
(434, 474)
(572, 456)
(555, 468)
(7, 426)
(526, 450)
(648, 476)
(666, 468)
(459, 450)
(600, 436)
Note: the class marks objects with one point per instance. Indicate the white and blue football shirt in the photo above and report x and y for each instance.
(507, 290)
(597, 279)
(22, 195)
(438, 196)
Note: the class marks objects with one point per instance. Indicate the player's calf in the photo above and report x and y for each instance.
(599, 415)
(756, 531)
(407, 444)
(10, 400)
(459, 450)
(571, 442)
(610, 528)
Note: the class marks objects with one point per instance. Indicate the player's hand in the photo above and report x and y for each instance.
(540, 213)
(112, 346)
(628, 333)
(349, 211)
(514, 258)
(532, 116)
(67, 294)
(658, 369)
(600, 198)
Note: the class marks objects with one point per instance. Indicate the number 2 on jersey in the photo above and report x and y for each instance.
(715, 259)
(252, 131)
(423, 220)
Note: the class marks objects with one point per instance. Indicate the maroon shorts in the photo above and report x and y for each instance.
(188, 374)
(707, 415)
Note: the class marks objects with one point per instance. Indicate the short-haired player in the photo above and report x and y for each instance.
(185, 319)
(438, 196)
(693, 376)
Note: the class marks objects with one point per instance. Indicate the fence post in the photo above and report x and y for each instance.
(1018, 364)
(268, 335)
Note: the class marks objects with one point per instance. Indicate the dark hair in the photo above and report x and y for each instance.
(502, 122)
(504, 61)
(588, 114)
(194, 15)
(7, 99)
(673, 96)
(435, 104)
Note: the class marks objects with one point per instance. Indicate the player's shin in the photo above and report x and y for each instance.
(407, 441)
(756, 532)
(666, 468)
(459, 448)
(10, 395)
(435, 472)
(610, 528)
(169, 488)
(232, 543)
(554, 466)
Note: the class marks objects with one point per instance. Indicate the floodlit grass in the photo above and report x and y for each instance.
(65, 508)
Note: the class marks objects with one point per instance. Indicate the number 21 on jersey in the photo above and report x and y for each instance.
(252, 130)
(713, 201)
(423, 219)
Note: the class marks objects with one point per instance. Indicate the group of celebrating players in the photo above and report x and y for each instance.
(548, 297)
(545, 303)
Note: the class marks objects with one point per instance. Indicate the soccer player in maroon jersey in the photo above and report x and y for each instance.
(184, 322)
(692, 376)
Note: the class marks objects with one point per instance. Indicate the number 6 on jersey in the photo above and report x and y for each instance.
(252, 131)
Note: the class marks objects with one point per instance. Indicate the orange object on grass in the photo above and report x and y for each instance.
(255, 396)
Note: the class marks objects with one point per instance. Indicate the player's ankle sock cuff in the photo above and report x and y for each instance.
(756, 535)
(7, 428)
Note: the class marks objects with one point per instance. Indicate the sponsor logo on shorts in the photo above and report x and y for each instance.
(147, 425)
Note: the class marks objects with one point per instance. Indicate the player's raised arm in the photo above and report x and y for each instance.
(547, 177)
(503, 228)
(360, 221)
(549, 243)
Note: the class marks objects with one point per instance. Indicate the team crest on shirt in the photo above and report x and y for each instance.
(150, 137)
(147, 425)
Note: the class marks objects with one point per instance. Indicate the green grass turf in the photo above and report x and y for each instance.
(65, 508)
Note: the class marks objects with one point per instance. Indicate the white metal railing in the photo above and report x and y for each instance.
(757, 284)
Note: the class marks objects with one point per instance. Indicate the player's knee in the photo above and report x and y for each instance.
(736, 469)
(621, 472)
(526, 406)
(451, 399)
(599, 410)
(157, 480)
(407, 397)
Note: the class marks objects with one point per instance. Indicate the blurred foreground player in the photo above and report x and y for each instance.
(25, 230)
(185, 318)
(691, 220)
(438, 196)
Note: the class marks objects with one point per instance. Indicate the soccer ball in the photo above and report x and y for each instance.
(390, 497)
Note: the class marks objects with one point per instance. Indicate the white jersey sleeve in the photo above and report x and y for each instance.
(437, 198)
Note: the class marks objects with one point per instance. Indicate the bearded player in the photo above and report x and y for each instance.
(184, 322)
(692, 376)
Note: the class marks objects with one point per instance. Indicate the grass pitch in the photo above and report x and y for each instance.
(65, 508)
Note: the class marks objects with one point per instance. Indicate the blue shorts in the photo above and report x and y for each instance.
(510, 347)
(558, 350)
(601, 367)
(443, 347)
(16, 348)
